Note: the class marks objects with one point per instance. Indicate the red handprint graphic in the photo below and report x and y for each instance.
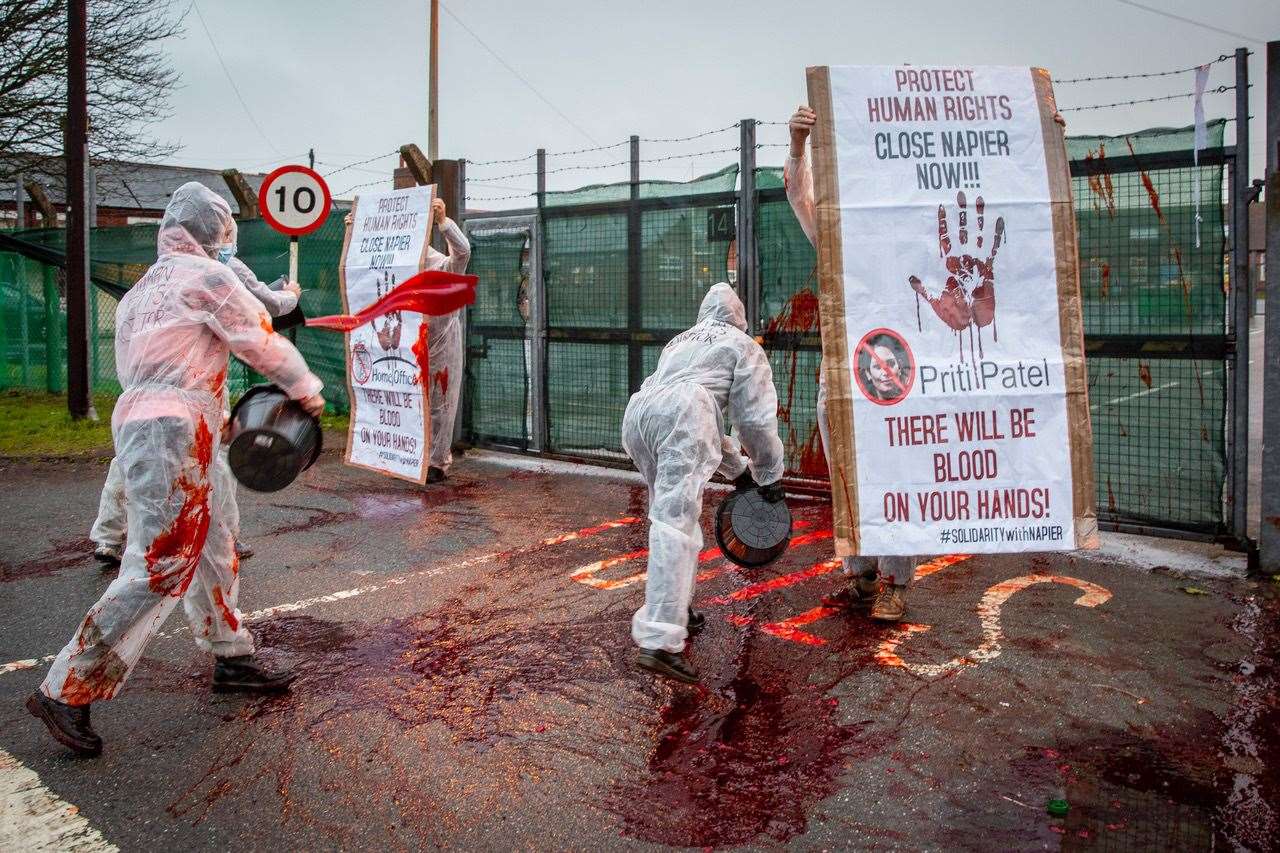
(968, 299)
(389, 334)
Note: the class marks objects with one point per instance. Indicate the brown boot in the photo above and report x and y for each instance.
(891, 603)
(860, 593)
(69, 724)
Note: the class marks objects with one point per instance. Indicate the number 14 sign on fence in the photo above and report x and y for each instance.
(294, 200)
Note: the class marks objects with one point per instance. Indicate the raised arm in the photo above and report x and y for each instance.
(796, 175)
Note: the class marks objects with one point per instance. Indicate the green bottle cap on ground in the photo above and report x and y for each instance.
(1058, 808)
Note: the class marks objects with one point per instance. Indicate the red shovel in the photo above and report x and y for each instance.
(433, 293)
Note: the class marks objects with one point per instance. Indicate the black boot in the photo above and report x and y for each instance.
(69, 724)
(436, 475)
(244, 673)
(668, 664)
(697, 621)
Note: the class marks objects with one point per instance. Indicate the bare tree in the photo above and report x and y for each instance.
(130, 80)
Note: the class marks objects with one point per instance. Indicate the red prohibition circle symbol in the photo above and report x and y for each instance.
(294, 200)
(884, 367)
(361, 364)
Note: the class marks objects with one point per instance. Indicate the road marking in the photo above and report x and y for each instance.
(989, 615)
(757, 589)
(33, 818)
(341, 595)
(789, 629)
(587, 574)
(1116, 400)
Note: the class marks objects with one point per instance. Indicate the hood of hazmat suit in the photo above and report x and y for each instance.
(673, 430)
(444, 350)
(174, 331)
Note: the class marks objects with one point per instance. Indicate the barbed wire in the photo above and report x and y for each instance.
(1223, 58)
(1217, 91)
(359, 163)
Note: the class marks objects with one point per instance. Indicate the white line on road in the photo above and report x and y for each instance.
(33, 818)
(341, 595)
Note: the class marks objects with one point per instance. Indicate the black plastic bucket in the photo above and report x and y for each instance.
(751, 531)
(273, 439)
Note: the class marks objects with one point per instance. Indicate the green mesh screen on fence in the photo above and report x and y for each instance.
(606, 326)
(1141, 271)
(35, 292)
(497, 397)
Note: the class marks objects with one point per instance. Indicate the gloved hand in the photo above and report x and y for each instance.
(772, 492)
(745, 482)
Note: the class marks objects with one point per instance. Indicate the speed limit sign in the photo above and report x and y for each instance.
(294, 200)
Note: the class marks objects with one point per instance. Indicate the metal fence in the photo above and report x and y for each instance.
(608, 274)
(580, 292)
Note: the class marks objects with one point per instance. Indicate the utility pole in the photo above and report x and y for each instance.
(433, 86)
(75, 143)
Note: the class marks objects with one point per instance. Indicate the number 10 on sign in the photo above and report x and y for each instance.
(294, 200)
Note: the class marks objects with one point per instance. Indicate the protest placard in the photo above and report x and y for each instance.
(390, 430)
(951, 315)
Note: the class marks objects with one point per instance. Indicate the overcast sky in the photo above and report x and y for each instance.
(350, 78)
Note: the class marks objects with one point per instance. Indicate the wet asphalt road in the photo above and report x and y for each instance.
(465, 682)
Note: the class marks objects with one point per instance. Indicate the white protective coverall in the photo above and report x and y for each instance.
(444, 349)
(798, 179)
(674, 431)
(174, 330)
(112, 521)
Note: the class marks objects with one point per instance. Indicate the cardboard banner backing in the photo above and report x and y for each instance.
(390, 429)
(951, 313)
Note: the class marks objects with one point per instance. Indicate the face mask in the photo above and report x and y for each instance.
(226, 253)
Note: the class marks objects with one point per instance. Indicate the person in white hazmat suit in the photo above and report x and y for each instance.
(109, 528)
(674, 431)
(174, 331)
(878, 582)
(444, 347)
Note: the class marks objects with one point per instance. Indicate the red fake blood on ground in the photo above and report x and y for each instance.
(1144, 373)
(61, 554)
(179, 547)
(421, 354)
(228, 615)
(1106, 279)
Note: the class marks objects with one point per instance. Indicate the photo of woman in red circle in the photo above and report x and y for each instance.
(884, 367)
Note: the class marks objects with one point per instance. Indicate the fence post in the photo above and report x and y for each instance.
(24, 324)
(635, 361)
(53, 330)
(748, 272)
(1240, 306)
(538, 313)
(1269, 530)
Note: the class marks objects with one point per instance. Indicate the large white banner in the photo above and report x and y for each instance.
(947, 257)
(387, 243)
